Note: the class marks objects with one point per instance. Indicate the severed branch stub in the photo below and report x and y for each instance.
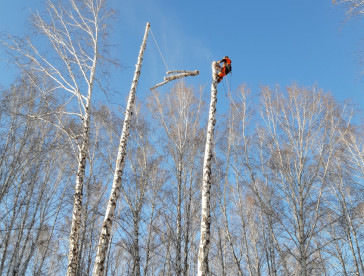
(179, 74)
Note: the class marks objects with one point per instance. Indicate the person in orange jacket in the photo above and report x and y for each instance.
(224, 69)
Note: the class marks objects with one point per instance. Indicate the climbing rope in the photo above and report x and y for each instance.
(223, 84)
(231, 76)
(228, 90)
(227, 84)
(159, 50)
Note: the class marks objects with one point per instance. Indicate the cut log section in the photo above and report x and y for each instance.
(179, 74)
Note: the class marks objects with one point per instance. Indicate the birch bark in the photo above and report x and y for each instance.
(73, 252)
(120, 161)
(203, 266)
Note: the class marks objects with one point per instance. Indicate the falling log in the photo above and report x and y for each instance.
(182, 71)
(181, 74)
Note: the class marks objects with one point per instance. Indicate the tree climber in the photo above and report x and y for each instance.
(225, 69)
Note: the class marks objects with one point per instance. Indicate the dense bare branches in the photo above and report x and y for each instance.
(32, 183)
(178, 114)
(73, 32)
(298, 151)
(282, 166)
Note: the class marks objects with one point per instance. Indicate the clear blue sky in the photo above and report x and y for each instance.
(269, 42)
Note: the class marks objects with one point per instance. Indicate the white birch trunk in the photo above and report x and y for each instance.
(73, 252)
(203, 252)
(120, 161)
(136, 250)
(179, 218)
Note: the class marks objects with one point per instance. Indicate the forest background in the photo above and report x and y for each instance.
(288, 166)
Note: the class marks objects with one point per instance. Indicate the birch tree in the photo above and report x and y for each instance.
(103, 143)
(74, 33)
(345, 201)
(203, 265)
(119, 167)
(302, 138)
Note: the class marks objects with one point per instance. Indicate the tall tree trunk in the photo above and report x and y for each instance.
(120, 161)
(203, 266)
(187, 231)
(136, 250)
(179, 217)
(149, 242)
(302, 239)
(221, 250)
(73, 253)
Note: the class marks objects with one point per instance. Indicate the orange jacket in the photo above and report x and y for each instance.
(225, 60)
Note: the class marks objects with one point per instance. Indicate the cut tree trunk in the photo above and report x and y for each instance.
(120, 162)
(203, 267)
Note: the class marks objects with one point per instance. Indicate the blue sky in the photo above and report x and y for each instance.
(270, 43)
